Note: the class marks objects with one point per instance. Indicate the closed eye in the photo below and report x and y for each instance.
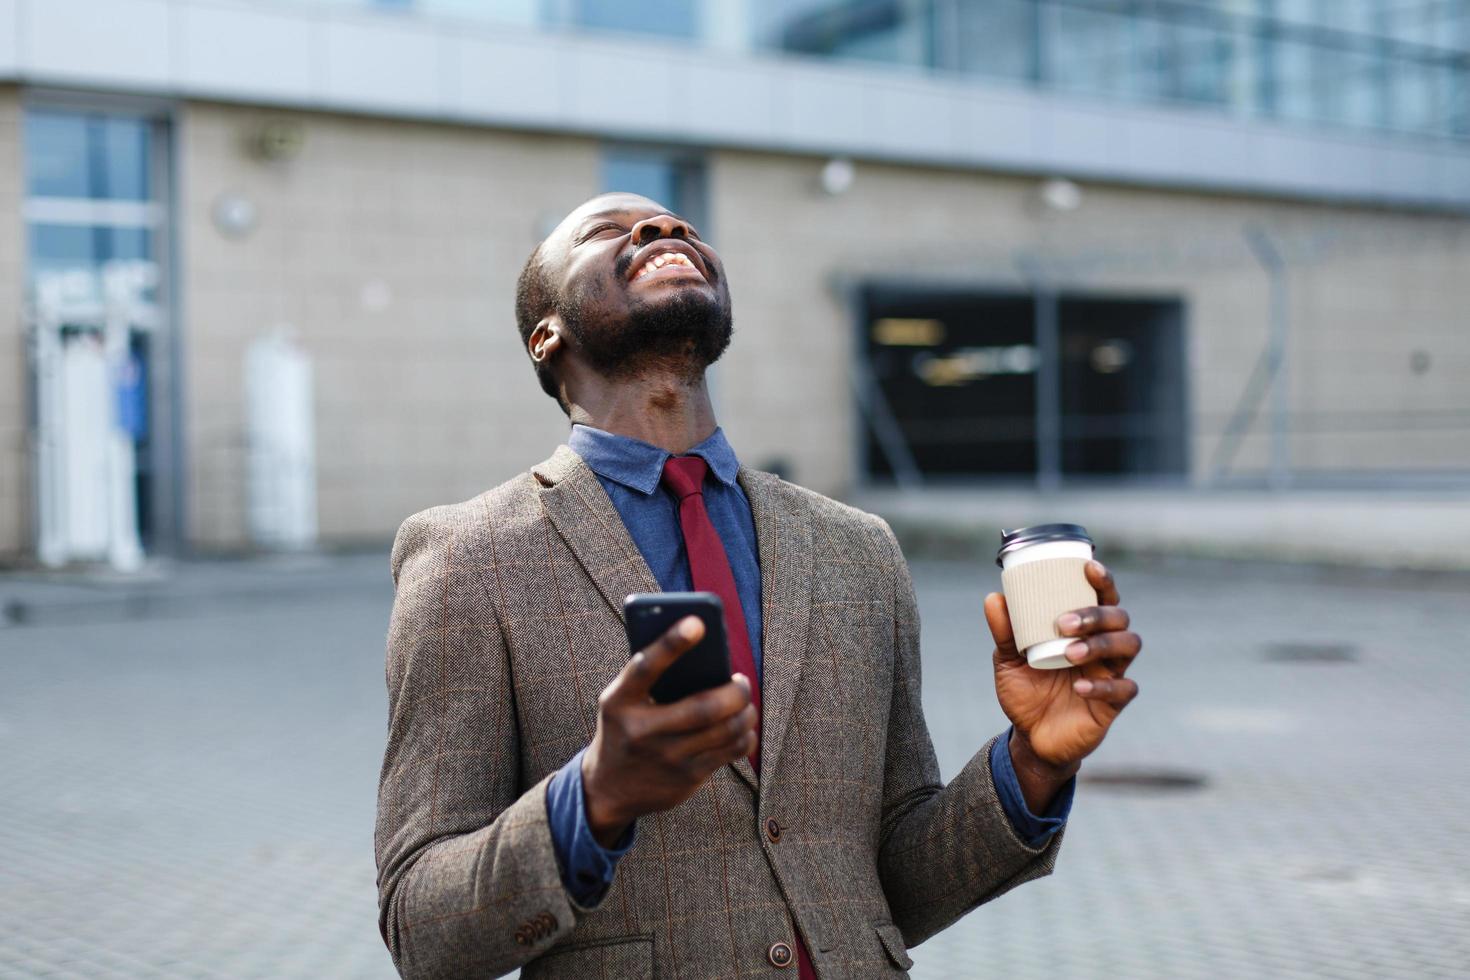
(599, 229)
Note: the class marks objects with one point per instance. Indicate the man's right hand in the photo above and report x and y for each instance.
(648, 757)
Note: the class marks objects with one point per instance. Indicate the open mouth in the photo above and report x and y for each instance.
(667, 265)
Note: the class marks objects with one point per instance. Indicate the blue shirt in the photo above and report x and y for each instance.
(631, 472)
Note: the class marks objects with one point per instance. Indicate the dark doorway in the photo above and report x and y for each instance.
(958, 373)
(1122, 386)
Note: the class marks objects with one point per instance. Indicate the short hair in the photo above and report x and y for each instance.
(534, 299)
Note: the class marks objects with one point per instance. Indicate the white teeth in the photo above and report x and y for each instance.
(663, 259)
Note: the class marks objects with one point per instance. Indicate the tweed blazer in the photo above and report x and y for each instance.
(506, 626)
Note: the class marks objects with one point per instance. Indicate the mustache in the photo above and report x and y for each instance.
(624, 263)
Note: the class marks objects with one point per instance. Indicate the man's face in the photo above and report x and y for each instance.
(636, 288)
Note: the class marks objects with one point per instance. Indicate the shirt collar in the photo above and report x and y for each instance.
(639, 465)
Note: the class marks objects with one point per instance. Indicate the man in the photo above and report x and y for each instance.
(538, 810)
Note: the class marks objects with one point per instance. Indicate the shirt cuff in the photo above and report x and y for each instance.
(586, 866)
(1034, 830)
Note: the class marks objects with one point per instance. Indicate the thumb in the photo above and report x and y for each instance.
(998, 617)
(646, 666)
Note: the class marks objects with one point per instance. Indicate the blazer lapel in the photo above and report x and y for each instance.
(585, 518)
(783, 534)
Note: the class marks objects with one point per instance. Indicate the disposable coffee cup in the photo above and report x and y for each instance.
(1043, 575)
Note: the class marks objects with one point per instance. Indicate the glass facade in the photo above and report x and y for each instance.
(1395, 65)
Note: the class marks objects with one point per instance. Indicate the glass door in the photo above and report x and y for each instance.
(96, 230)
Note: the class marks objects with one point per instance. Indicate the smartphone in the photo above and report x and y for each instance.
(647, 615)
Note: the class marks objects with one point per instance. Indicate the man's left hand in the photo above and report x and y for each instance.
(1060, 716)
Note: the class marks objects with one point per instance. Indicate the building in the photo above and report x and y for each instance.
(1204, 241)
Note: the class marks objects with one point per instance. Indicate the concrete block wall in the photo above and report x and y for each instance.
(392, 249)
(1368, 288)
(15, 485)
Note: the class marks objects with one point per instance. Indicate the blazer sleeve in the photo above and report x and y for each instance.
(943, 850)
(468, 881)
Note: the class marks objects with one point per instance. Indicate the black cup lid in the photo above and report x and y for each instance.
(1024, 537)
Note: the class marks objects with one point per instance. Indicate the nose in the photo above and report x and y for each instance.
(659, 226)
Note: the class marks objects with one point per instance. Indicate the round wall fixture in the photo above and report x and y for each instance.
(234, 214)
(1061, 194)
(277, 140)
(837, 176)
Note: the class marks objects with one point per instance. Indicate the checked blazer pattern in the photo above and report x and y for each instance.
(506, 626)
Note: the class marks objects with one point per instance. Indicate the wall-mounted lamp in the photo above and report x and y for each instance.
(837, 176)
(234, 214)
(1060, 194)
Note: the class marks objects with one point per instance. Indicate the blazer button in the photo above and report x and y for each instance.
(780, 955)
(773, 829)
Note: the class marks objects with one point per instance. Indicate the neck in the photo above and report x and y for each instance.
(663, 410)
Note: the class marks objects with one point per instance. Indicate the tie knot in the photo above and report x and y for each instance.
(684, 475)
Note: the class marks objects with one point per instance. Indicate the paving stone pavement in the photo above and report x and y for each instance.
(188, 782)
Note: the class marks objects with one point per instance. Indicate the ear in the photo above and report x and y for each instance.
(546, 339)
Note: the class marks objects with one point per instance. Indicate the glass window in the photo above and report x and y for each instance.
(85, 250)
(1099, 52)
(672, 178)
(997, 39)
(897, 31)
(1348, 87)
(1412, 99)
(72, 154)
(1397, 64)
(666, 18)
(1196, 66)
(75, 157)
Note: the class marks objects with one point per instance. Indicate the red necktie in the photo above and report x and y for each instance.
(709, 567)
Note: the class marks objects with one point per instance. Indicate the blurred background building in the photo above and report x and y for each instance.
(257, 258)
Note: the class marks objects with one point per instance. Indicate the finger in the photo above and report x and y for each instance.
(646, 666)
(1102, 582)
(998, 617)
(721, 735)
(1117, 691)
(1093, 619)
(699, 711)
(708, 762)
(1104, 646)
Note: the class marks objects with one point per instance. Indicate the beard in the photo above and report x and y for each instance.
(682, 334)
